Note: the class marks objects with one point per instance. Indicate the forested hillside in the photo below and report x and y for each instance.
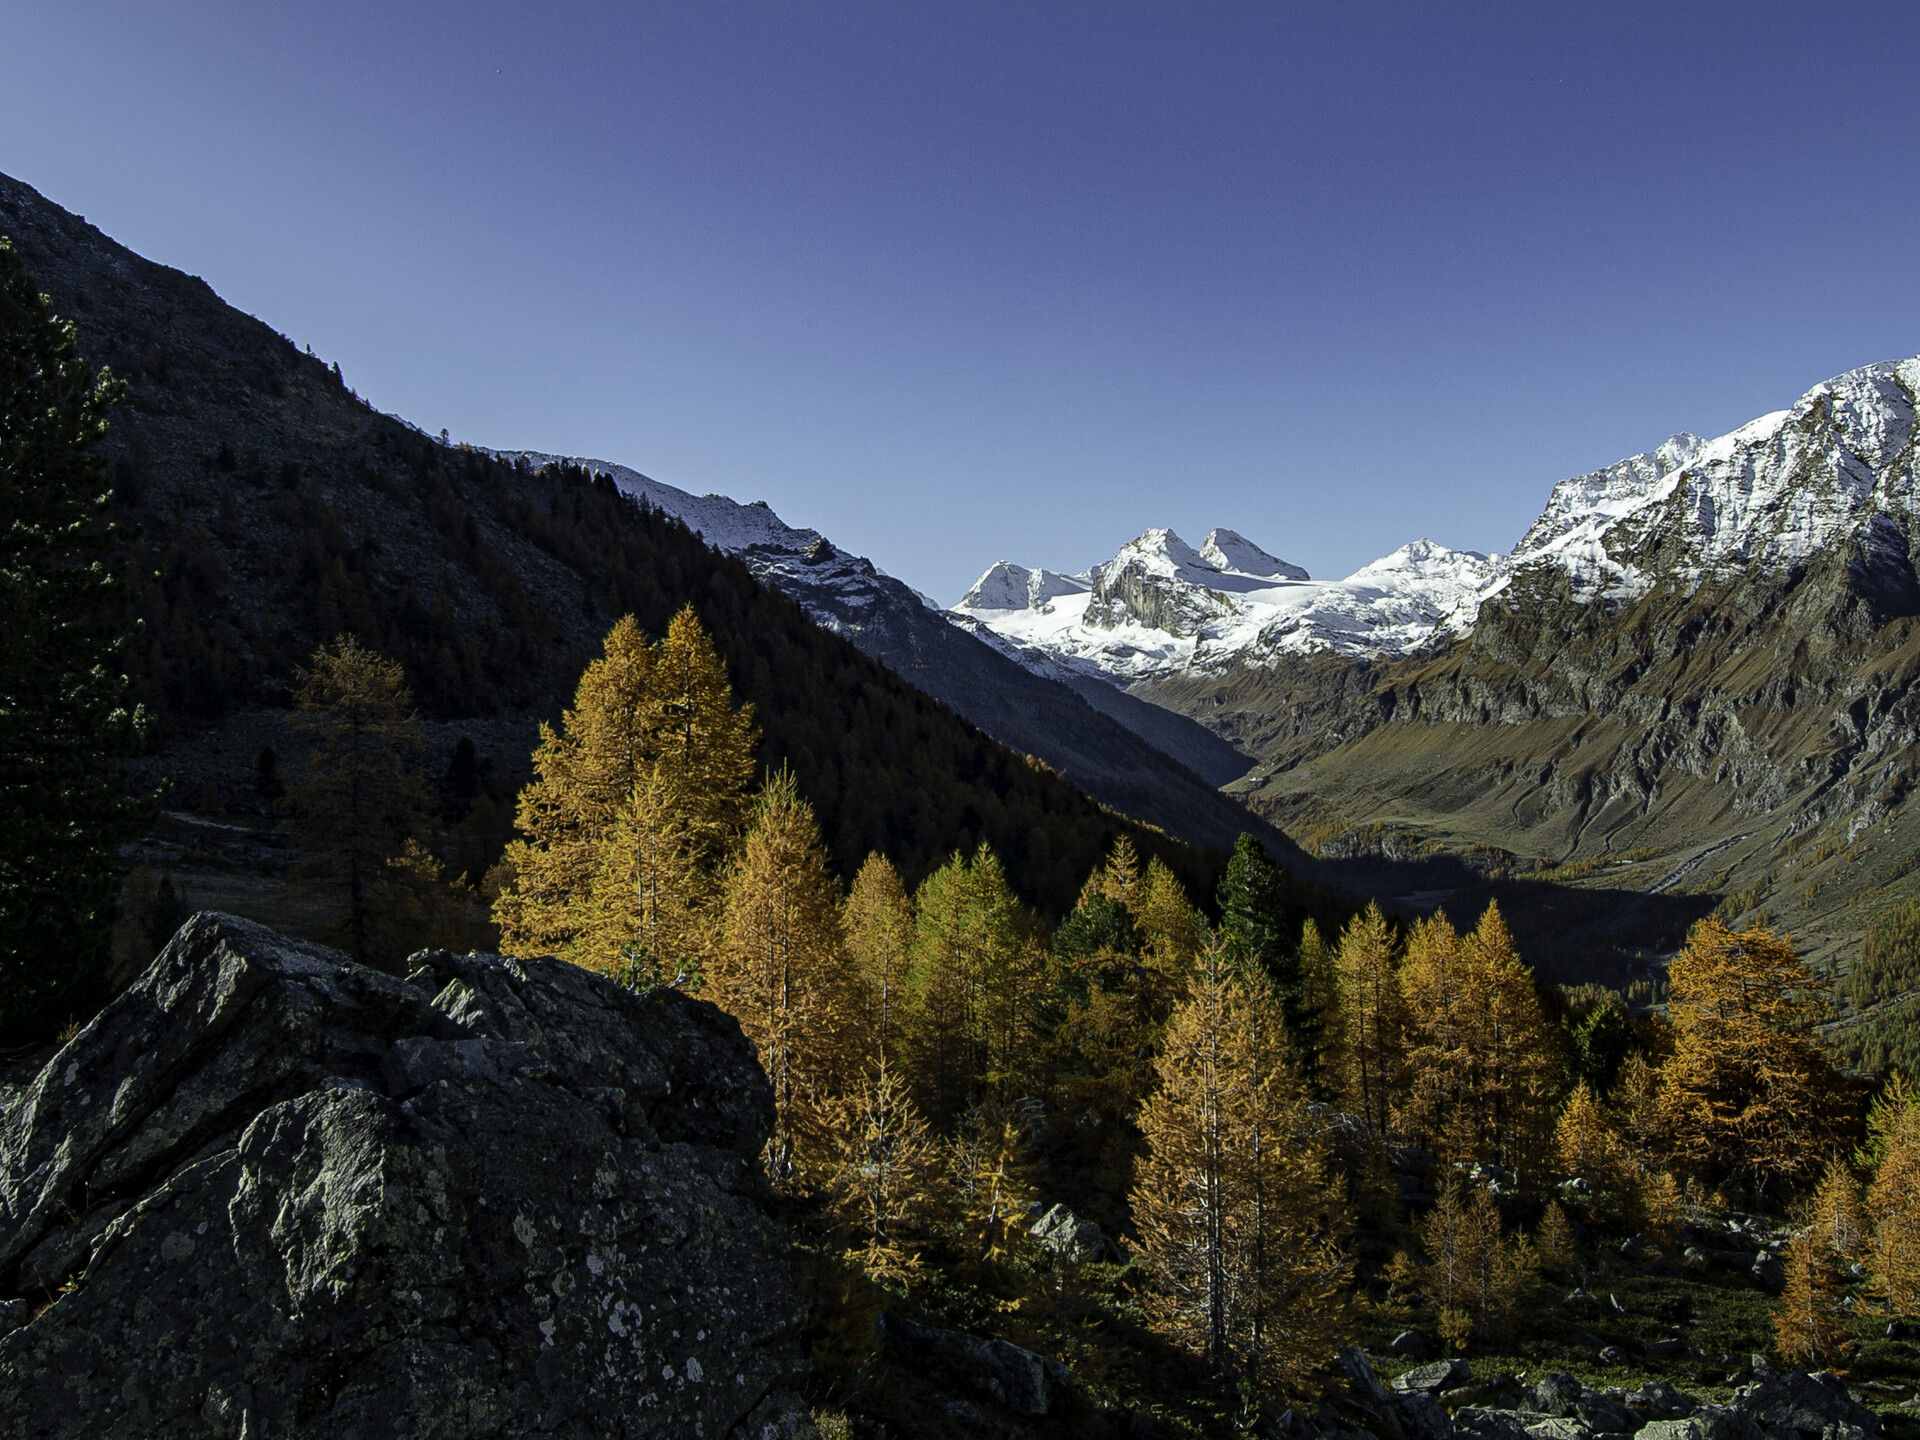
(277, 509)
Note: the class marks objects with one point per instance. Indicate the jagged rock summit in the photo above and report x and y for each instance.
(269, 1192)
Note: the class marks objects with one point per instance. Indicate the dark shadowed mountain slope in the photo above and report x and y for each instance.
(1139, 758)
(280, 509)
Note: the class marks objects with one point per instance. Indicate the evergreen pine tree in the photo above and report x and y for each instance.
(360, 797)
(1238, 1228)
(1319, 969)
(1262, 926)
(1102, 1023)
(64, 720)
(973, 989)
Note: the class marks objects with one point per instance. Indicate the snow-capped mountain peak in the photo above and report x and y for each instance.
(1007, 586)
(1230, 550)
(1160, 607)
(1771, 493)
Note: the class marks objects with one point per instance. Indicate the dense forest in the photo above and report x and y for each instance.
(1295, 1136)
(1189, 1155)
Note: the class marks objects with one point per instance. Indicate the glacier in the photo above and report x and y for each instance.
(1769, 494)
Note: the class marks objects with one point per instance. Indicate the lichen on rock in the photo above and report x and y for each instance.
(268, 1192)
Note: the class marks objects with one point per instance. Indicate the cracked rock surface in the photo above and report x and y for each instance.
(271, 1193)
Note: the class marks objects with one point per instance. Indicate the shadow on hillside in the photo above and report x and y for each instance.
(1570, 934)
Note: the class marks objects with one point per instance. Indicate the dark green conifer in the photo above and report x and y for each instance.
(64, 720)
(1260, 929)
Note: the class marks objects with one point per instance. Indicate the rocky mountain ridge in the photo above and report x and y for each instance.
(1835, 468)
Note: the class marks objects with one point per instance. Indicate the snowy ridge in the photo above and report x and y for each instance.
(1838, 465)
(1770, 494)
(1160, 606)
(837, 590)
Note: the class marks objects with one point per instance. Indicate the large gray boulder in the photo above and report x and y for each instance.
(268, 1192)
(1798, 1406)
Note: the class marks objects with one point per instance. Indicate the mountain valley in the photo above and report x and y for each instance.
(1690, 678)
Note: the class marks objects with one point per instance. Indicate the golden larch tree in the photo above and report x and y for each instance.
(1809, 1326)
(1585, 1147)
(1893, 1200)
(878, 923)
(703, 746)
(1442, 1006)
(1555, 1241)
(1515, 1057)
(1473, 1276)
(779, 970)
(1748, 1095)
(1371, 1020)
(1480, 1054)
(582, 773)
(994, 1180)
(645, 783)
(1635, 1117)
(648, 914)
(1241, 1231)
(881, 1176)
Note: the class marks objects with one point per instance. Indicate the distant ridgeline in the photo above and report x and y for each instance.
(279, 509)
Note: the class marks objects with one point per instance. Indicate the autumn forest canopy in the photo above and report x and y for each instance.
(1292, 1130)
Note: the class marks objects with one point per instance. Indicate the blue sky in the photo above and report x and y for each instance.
(959, 282)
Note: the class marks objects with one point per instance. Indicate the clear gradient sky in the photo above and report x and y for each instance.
(961, 281)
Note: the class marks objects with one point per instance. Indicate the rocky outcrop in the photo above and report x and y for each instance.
(1428, 1403)
(268, 1192)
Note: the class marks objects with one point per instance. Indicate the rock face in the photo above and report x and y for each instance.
(269, 1192)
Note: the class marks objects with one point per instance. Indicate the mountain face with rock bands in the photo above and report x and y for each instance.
(1692, 673)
